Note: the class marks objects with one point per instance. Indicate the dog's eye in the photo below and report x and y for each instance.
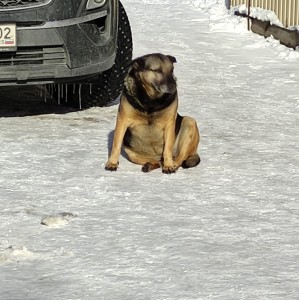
(157, 71)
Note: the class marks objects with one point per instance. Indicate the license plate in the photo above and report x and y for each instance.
(8, 37)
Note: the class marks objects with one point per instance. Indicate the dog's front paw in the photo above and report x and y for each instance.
(169, 170)
(111, 167)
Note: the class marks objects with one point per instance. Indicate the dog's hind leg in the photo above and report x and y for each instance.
(185, 150)
(191, 161)
(148, 164)
(147, 167)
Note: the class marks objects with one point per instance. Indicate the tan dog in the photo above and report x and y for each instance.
(148, 126)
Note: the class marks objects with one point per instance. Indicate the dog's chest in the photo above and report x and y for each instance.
(146, 134)
(148, 129)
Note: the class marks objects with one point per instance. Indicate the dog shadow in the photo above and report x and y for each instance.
(110, 144)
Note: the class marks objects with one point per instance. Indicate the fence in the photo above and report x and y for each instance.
(286, 10)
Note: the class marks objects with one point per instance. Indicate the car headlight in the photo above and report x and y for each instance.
(92, 4)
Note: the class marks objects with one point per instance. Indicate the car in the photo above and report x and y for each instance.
(78, 51)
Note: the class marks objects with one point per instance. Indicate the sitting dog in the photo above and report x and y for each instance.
(148, 126)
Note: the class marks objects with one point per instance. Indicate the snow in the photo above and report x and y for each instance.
(260, 14)
(226, 229)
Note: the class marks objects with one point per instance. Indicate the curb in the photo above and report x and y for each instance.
(287, 37)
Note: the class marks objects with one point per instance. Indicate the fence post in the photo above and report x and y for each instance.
(227, 4)
(248, 18)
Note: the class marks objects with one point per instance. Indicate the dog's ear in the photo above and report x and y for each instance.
(138, 64)
(172, 58)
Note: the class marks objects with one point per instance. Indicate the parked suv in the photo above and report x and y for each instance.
(78, 50)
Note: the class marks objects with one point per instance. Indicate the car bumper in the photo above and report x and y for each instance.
(61, 49)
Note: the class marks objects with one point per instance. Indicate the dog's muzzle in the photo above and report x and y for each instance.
(167, 86)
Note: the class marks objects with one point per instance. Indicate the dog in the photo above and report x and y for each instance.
(148, 126)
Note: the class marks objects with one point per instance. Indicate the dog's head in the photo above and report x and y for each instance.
(153, 73)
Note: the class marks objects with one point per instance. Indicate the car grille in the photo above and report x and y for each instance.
(34, 56)
(19, 3)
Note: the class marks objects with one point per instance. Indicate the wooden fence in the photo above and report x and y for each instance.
(286, 10)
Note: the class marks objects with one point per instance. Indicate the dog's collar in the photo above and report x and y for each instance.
(150, 106)
(134, 101)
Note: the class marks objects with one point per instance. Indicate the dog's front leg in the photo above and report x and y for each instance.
(169, 137)
(119, 133)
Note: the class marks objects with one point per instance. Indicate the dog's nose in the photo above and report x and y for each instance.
(166, 85)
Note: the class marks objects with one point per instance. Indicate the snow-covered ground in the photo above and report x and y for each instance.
(227, 229)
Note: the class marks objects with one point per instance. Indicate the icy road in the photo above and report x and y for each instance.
(227, 229)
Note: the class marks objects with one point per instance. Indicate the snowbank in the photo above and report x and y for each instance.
(222, 20)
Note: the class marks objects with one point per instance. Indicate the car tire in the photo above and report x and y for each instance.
(105, 87)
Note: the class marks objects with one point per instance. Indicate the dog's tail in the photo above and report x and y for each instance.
(191, 161)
